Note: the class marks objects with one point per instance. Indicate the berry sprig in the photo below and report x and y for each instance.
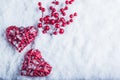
(56, 21)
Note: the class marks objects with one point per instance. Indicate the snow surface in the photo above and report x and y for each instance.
(89, 49)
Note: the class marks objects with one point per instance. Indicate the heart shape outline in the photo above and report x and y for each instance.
(21, 37)
(35, 65)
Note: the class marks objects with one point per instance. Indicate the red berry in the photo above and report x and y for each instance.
(43, 9)
(56, 15)
(57, 2)
(61, 10)
(57, 25)
(71, 16)
(39, 25)
(64, 14)
(55, 33)
(70, 2)
(41, 19)
(53, 2)
(39, 3)
(68, 22)
(51, 7)
(75, 14)
(71, 20)
(66, 2)
(40, 8)
(47, 27)
(66, 8)
(46, 18)
(52, 21)
(61, 31)
(62, 19)
(44, 31)
(63, 24)
(52, 14)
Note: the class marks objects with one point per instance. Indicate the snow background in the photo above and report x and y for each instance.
(89, 49)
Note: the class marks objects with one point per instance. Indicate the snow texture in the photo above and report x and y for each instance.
(89, 49)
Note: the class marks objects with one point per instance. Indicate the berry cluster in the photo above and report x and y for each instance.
(56, 21)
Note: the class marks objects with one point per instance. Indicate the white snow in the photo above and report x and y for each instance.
(89, 49)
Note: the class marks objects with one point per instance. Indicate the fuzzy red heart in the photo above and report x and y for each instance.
(34, 65)
(21, 37)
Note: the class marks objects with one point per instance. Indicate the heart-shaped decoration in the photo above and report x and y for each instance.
(21, 37)
(34, 65)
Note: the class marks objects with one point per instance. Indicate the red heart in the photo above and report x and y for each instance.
(21, 37)
(35, 65)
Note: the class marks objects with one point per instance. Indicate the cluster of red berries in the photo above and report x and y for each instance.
(55, 22)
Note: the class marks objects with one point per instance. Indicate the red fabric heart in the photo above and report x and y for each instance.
(35, 65)
(21, 37)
